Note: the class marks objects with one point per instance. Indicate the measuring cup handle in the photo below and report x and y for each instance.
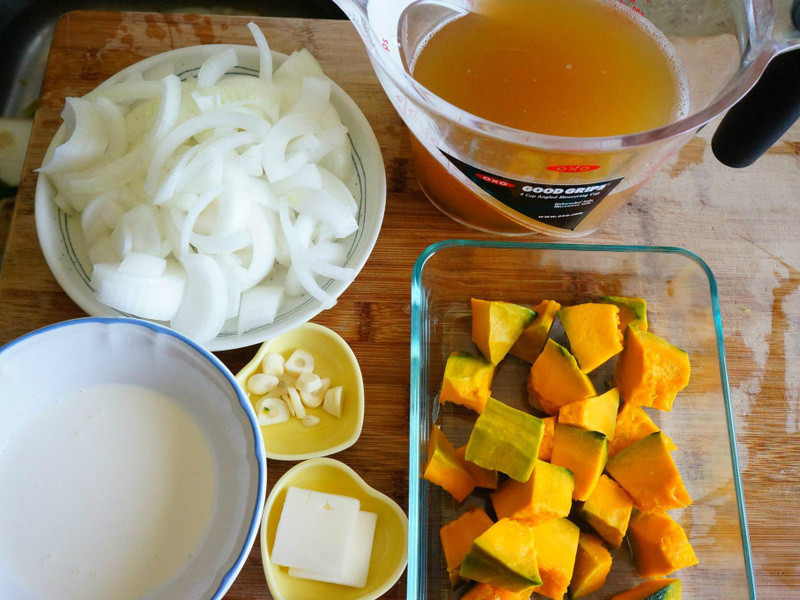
(759, 119)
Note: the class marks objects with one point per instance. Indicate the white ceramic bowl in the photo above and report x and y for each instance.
(61, 238)
(59, 360)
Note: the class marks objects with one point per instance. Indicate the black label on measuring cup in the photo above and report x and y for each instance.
(558, 205)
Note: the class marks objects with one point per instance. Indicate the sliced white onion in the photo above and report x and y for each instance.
(114, 124)
(314, 97)
(324, 208)
(145, 265)
(263, 249)
(191, 217)
(298, 65)
(259, 306)
(168, 109)
(86, 138)
(264, 53)
(201, 314)
(155, 298)
(215, 67)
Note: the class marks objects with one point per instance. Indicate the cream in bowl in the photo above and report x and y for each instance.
(117, 438)
(360, 538)
(308, 393)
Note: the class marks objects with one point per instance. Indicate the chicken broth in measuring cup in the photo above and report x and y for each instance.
(576, 69)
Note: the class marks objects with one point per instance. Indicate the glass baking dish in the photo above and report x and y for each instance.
(683, 307)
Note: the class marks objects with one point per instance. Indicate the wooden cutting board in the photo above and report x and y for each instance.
(745, 224)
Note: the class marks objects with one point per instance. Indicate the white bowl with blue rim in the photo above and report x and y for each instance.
(43, 371)
(61, 237)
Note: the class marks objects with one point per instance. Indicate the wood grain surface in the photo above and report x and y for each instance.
(745, 224)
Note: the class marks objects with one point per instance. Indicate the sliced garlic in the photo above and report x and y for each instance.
(325, 384)
(311, 399)
(279, 390)
(260, 383)
(288, 401)
(308, 382)
(333, 401)
(272, 364)
(272, 411)
(310, 421)
(297, 404)
(299, 362)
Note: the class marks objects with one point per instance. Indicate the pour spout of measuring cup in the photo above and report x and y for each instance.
(768, 110)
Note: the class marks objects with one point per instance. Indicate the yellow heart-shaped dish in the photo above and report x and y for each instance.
(389, 547)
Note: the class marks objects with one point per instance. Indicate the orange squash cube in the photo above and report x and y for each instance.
(592, 565)
(531, 341)
(445, 468)
(633, 424)
(598, 413)
(650, 371)
(593, 333)
(631, 311)
(485, 591)
(556, 548)
(546, 495)
(659, 545)
(546, 447)
(582, 452)
(608, 510)
(497, 325)
(457, 537)
(646, 471)
(467, 380)
(556, 380)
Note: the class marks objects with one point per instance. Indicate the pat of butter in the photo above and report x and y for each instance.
(315, 531)
(357, 564)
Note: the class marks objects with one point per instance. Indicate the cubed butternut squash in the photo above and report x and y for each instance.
(582, 452)
(650, 371)
(608, 510)
(655, 589)
(445, 468)
(646, 471)
(504, 556)
(505, 439)
(633, 424)
(467, 380)
(457, 537)
(483, 478)
(546, 495)
(631, 311)
(546, 447)
(497, 325)
(556, 547)
(598, 413)
(531, 341)
(593, 333)
(556, 380)
(659, 544)
(592, 565)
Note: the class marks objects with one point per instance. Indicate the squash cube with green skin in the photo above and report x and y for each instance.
(556, 549)
(646, 471)
(484, 591)
(457, 537)
(593, 333)
(633, 424)
(650, 371)
(531, 341)
(497, 325)
(505, 439)
(592, 565)
(659, 544)
(503, 556)
(655, 589)
(445, 468)
(608, 510)
(582, 452)
(467, 380)
(483, 478)
(546, 495)
(632, 311)
(546, 447)
(598, 413)
(556, 380)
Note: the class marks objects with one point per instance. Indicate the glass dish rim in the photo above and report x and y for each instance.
(417, 310)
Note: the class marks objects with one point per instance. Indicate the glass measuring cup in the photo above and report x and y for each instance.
(504, 180)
